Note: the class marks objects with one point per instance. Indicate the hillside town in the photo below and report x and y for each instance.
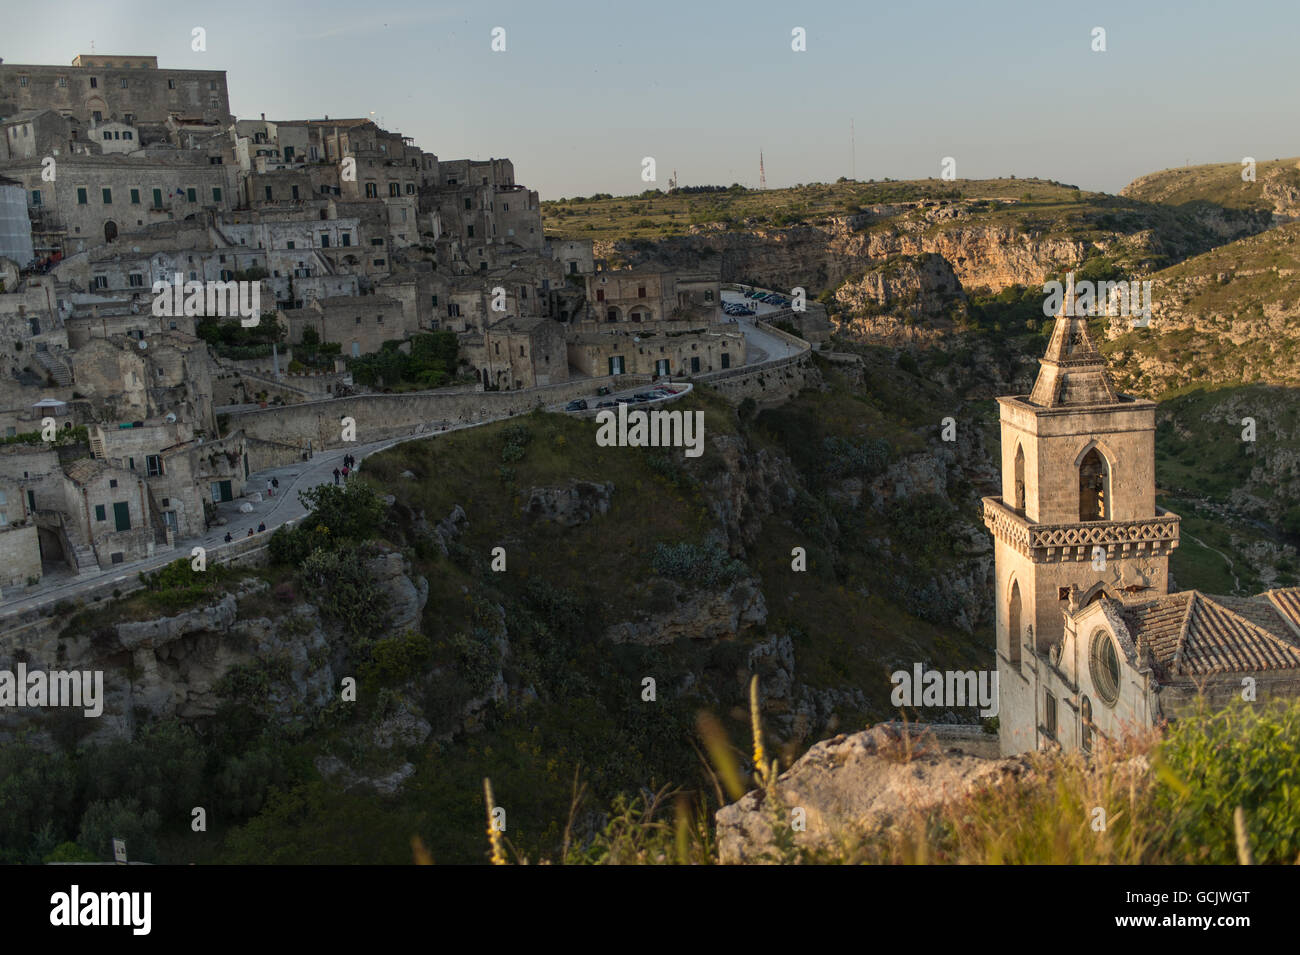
(128, 190)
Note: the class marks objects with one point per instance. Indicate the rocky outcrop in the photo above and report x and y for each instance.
(824, 255)
(406, 594)
(745, 487)
(575, 503)
(904, 299)
(699, 615)
(857, 785)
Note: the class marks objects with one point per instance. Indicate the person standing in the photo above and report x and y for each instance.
(336, 475)
(270, 489)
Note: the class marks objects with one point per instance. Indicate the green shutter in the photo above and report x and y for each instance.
(99, 512)
(122, 515)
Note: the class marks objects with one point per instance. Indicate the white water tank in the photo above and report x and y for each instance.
(15, 226)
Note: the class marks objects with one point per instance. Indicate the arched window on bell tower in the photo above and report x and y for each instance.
(1020, 478)
(1014, 635)
(1094, 487)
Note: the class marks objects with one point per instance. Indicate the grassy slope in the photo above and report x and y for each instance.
(1217, 184)
(635, 217)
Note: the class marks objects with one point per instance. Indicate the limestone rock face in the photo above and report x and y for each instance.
(406, 597)
(575, 503)
(858, 784)
(908, 298)
(748, 486)
(703, 615)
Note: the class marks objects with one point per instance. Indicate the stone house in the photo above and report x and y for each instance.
(518, 352)
(20, 549)
(109, 509)
(360, 324)
(99, 87)
(655, 352)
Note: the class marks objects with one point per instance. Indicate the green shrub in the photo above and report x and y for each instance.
(395, 660)
(705, 566)
(1246, 755)
(341, 587)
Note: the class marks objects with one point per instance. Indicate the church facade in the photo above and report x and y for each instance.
(1090, 641)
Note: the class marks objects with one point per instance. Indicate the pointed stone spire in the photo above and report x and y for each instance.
(1072, 372)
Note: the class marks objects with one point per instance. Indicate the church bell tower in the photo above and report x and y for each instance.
(1077, 519)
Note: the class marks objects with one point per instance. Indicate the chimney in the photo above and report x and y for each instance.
(264, 117)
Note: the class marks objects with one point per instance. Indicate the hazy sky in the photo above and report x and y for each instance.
(585, 88)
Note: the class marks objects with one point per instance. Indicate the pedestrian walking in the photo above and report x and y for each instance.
(228, 537)
(336, 475)
(261, 527)
(275, 483)
(270, 489)
(250, 532)
(345, 472)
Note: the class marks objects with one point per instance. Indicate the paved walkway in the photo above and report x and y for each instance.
(285, 507)
(276, 511)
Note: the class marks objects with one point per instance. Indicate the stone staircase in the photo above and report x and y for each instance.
(96, 444)
(85, 558)
(57, 368)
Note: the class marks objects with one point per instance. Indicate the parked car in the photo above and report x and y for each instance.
(577, 404)
(624, 400)
(606, 404)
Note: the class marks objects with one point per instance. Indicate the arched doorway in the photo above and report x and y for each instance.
(110, 231)
(1094, 487)
(1014, 636)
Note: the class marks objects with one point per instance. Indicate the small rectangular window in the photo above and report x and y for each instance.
(108, 197)
(157, 198)
(94, 82)
(36, 197)
(171, 84)
(192, 195)
(100, 513)
(216, 193)
(135, 197)
(82, 197)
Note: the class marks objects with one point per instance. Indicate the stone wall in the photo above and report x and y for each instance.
(272, 432)
(20, 555)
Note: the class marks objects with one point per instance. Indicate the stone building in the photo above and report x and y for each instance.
(360, 324)
(645, 294)
(96, 198)
(680, 354)
(20, 549)
(109, 509)
(517, 352)
(97, 88)
(1090, 643)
